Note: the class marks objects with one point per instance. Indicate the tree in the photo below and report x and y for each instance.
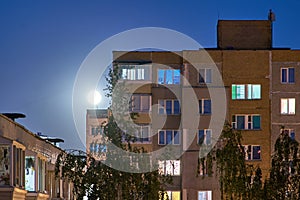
(284, 181)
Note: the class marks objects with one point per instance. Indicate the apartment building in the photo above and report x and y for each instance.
(27, 164)
(261, 95)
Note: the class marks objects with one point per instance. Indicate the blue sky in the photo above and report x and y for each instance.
(43, 44)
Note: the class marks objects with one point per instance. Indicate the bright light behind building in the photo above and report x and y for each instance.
(94, 97)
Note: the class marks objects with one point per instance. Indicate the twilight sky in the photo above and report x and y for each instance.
(43, 44)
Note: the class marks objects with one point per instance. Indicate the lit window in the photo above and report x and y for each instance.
(205, 106)
(169, 167)
(203, 167)
(205, 195)
(205, 75)
(140, 103)
(288, 106)
(135, 72)
(289, 132)
(168, 107)
(288, 75)
(246, 91)
(252, 152)
(246, 122)
(169, 76)
(168, 137)
(204, 137)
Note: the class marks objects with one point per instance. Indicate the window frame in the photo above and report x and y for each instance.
(166, 167)
(247, 122)
(164, 107)
(202, 107)
(248, 92)
(205, 133)
(204, 79)
(133, 70)
(288, 81)
(172, 142)
(207, 193)
(246, 148)
(288, 106)
(140, 97)
(165, 78)
(290, 131)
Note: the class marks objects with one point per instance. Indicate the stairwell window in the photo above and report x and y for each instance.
(245, 91)
(169, 76)
(246, 122)
(205, 75)
(252, 152)
(287, 75)
(288, 106)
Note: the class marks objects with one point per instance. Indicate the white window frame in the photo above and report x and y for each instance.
(247, 153)
(164, 82)
(141, 97)
(287, 75)
(164, 106)
(139, 133)
(135, 72)
(203, 73)
(201, 104)
(169, 167)
(165, 137)
(206, 132)
(288, 108)
(205, 195)
(248, 91)
(248, 123)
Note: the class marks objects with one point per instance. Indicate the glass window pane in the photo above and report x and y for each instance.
(256, 92)
(292, 134)
(240, 90)
(208, 137)
(256, 152)
(256, 122)
(169, 107)
(208, 76)
(176, 107)
(233, 92)
(169, 77)
(161, 107)
(284, 106)
(283, 75)
(161, 137)
(291, 105)
(207, 106)
(161, 76)
(291, 75)
(200, 107)
(136, 102)
(176, 79)
(176, 137)
(169, 137)
(200, 137)
(201, 75)
(145, 104)
(241, 122)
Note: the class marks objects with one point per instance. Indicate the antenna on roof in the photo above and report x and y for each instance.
(271, 16)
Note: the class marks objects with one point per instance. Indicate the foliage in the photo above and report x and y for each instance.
(284, 181)
(96, 178)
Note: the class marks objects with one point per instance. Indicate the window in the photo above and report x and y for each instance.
(205, 75)
(169, 167)
(205, 195)
(204, 137)
(6, 159)
(288, 106)
(30, 173)
(246, 122)
(246, 91)
(168, 137)
(203, 167)
(41, 174)
(140, 103)
(97, 130)
(18, 166)
(97, 148)
(289, 132)
(169, 76)
(135, 72)
(252, 152)
(142, 133)
(168, 107)
(205, 106)
(287, 75)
